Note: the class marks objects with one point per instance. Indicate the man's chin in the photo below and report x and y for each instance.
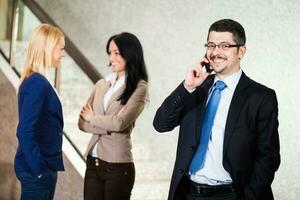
(218, 69)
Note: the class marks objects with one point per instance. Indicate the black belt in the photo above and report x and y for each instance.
(211, 189)
(98, 162)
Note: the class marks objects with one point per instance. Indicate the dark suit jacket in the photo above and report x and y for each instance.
(40, 127)
(251, 141)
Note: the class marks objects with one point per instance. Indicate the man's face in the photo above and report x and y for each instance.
(224, 60)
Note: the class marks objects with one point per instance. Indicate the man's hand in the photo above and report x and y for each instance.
(195, 75)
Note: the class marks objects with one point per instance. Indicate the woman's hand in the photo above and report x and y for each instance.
(87, 112)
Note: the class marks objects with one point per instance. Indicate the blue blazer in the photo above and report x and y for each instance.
(39, 131)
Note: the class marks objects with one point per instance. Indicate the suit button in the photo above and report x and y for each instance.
(181, 170)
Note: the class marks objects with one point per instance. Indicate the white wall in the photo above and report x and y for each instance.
(173, 32)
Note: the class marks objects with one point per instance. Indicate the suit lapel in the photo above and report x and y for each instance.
(102, 92)
(238, 100)
(115, 96)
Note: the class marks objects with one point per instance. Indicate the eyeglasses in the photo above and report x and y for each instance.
(223, 46)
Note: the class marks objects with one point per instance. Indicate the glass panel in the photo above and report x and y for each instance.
(26, 23)
(5, 25)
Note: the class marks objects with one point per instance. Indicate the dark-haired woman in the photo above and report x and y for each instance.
(110, 114)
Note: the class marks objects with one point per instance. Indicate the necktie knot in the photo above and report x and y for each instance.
(220, 85)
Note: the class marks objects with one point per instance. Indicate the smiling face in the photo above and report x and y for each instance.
(116, 61)
(58, 52)
(224, 61)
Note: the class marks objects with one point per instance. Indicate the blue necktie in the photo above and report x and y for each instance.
(208, 119)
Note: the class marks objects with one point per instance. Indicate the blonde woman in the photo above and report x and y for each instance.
(39, 132)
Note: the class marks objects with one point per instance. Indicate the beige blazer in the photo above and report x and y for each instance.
(112, 131)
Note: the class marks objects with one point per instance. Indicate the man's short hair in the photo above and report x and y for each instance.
(229, 25)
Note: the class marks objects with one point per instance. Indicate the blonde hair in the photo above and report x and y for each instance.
(42, 41)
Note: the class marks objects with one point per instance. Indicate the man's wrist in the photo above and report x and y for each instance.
(189, 89)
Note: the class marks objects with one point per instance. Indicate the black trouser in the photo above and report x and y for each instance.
(188, 190)
(108, 181)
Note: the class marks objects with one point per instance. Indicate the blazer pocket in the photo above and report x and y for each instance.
(55, 162)
(119, 170)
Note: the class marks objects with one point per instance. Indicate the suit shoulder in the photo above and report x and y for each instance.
(142, 83)
(100, 83)
(36, 77)
(259, 88)
(142, 87)
(35, 82)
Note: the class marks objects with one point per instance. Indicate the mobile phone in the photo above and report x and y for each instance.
(207, 66)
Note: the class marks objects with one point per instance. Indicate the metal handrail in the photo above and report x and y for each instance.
(70, 47)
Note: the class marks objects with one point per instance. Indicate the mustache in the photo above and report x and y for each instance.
(217, 57)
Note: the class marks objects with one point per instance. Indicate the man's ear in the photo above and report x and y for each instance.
(242, 51)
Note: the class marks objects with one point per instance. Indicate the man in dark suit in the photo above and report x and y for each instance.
(228, 145)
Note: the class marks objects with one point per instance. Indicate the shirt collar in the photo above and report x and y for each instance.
(232, 80)
(112, 79)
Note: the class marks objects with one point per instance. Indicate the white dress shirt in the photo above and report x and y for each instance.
(114, 86)
(213, 172)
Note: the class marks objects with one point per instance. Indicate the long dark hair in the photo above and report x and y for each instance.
(131, 50)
